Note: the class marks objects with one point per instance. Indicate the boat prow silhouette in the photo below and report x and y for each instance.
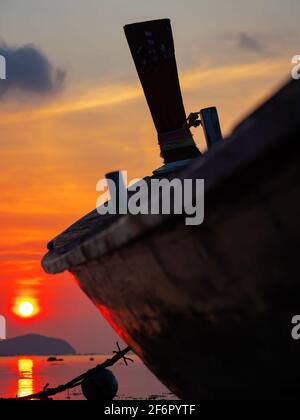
(208, 308)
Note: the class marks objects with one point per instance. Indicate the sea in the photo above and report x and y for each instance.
(25, 375)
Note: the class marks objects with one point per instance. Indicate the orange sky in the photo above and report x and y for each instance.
(53, 156)
(54, 150)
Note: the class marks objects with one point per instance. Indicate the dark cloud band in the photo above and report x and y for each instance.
(29, 70)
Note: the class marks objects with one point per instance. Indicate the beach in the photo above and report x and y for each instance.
(23, 375)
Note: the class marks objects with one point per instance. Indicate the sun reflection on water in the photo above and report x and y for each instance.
(25, 381)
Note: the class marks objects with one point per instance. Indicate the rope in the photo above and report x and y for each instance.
(49, 392)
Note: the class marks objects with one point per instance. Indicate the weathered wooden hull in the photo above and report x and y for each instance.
(209, 308)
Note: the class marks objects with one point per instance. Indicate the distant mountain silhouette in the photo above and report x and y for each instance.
(34, 344)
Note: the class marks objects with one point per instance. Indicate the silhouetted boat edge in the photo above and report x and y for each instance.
(208, 308)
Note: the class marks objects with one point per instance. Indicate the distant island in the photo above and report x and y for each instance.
(35, 345)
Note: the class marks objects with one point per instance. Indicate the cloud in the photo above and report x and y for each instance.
(85, 99)
(249, 42)
(28, 69)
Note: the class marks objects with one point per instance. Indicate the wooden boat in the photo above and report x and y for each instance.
(208, 308)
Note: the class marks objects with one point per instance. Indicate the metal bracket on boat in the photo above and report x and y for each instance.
(209, 120)
(118, 190)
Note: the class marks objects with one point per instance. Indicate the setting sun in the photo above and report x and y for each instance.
(26, 307)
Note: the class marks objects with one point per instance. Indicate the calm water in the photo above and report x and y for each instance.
(25, 375)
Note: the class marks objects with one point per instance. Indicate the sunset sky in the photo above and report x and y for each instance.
(86, 115)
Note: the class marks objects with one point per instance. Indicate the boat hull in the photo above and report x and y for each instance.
(209, 308)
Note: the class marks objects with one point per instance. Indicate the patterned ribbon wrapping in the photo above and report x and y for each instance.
(175, 139)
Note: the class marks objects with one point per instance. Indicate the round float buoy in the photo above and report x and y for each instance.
(102, 386)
